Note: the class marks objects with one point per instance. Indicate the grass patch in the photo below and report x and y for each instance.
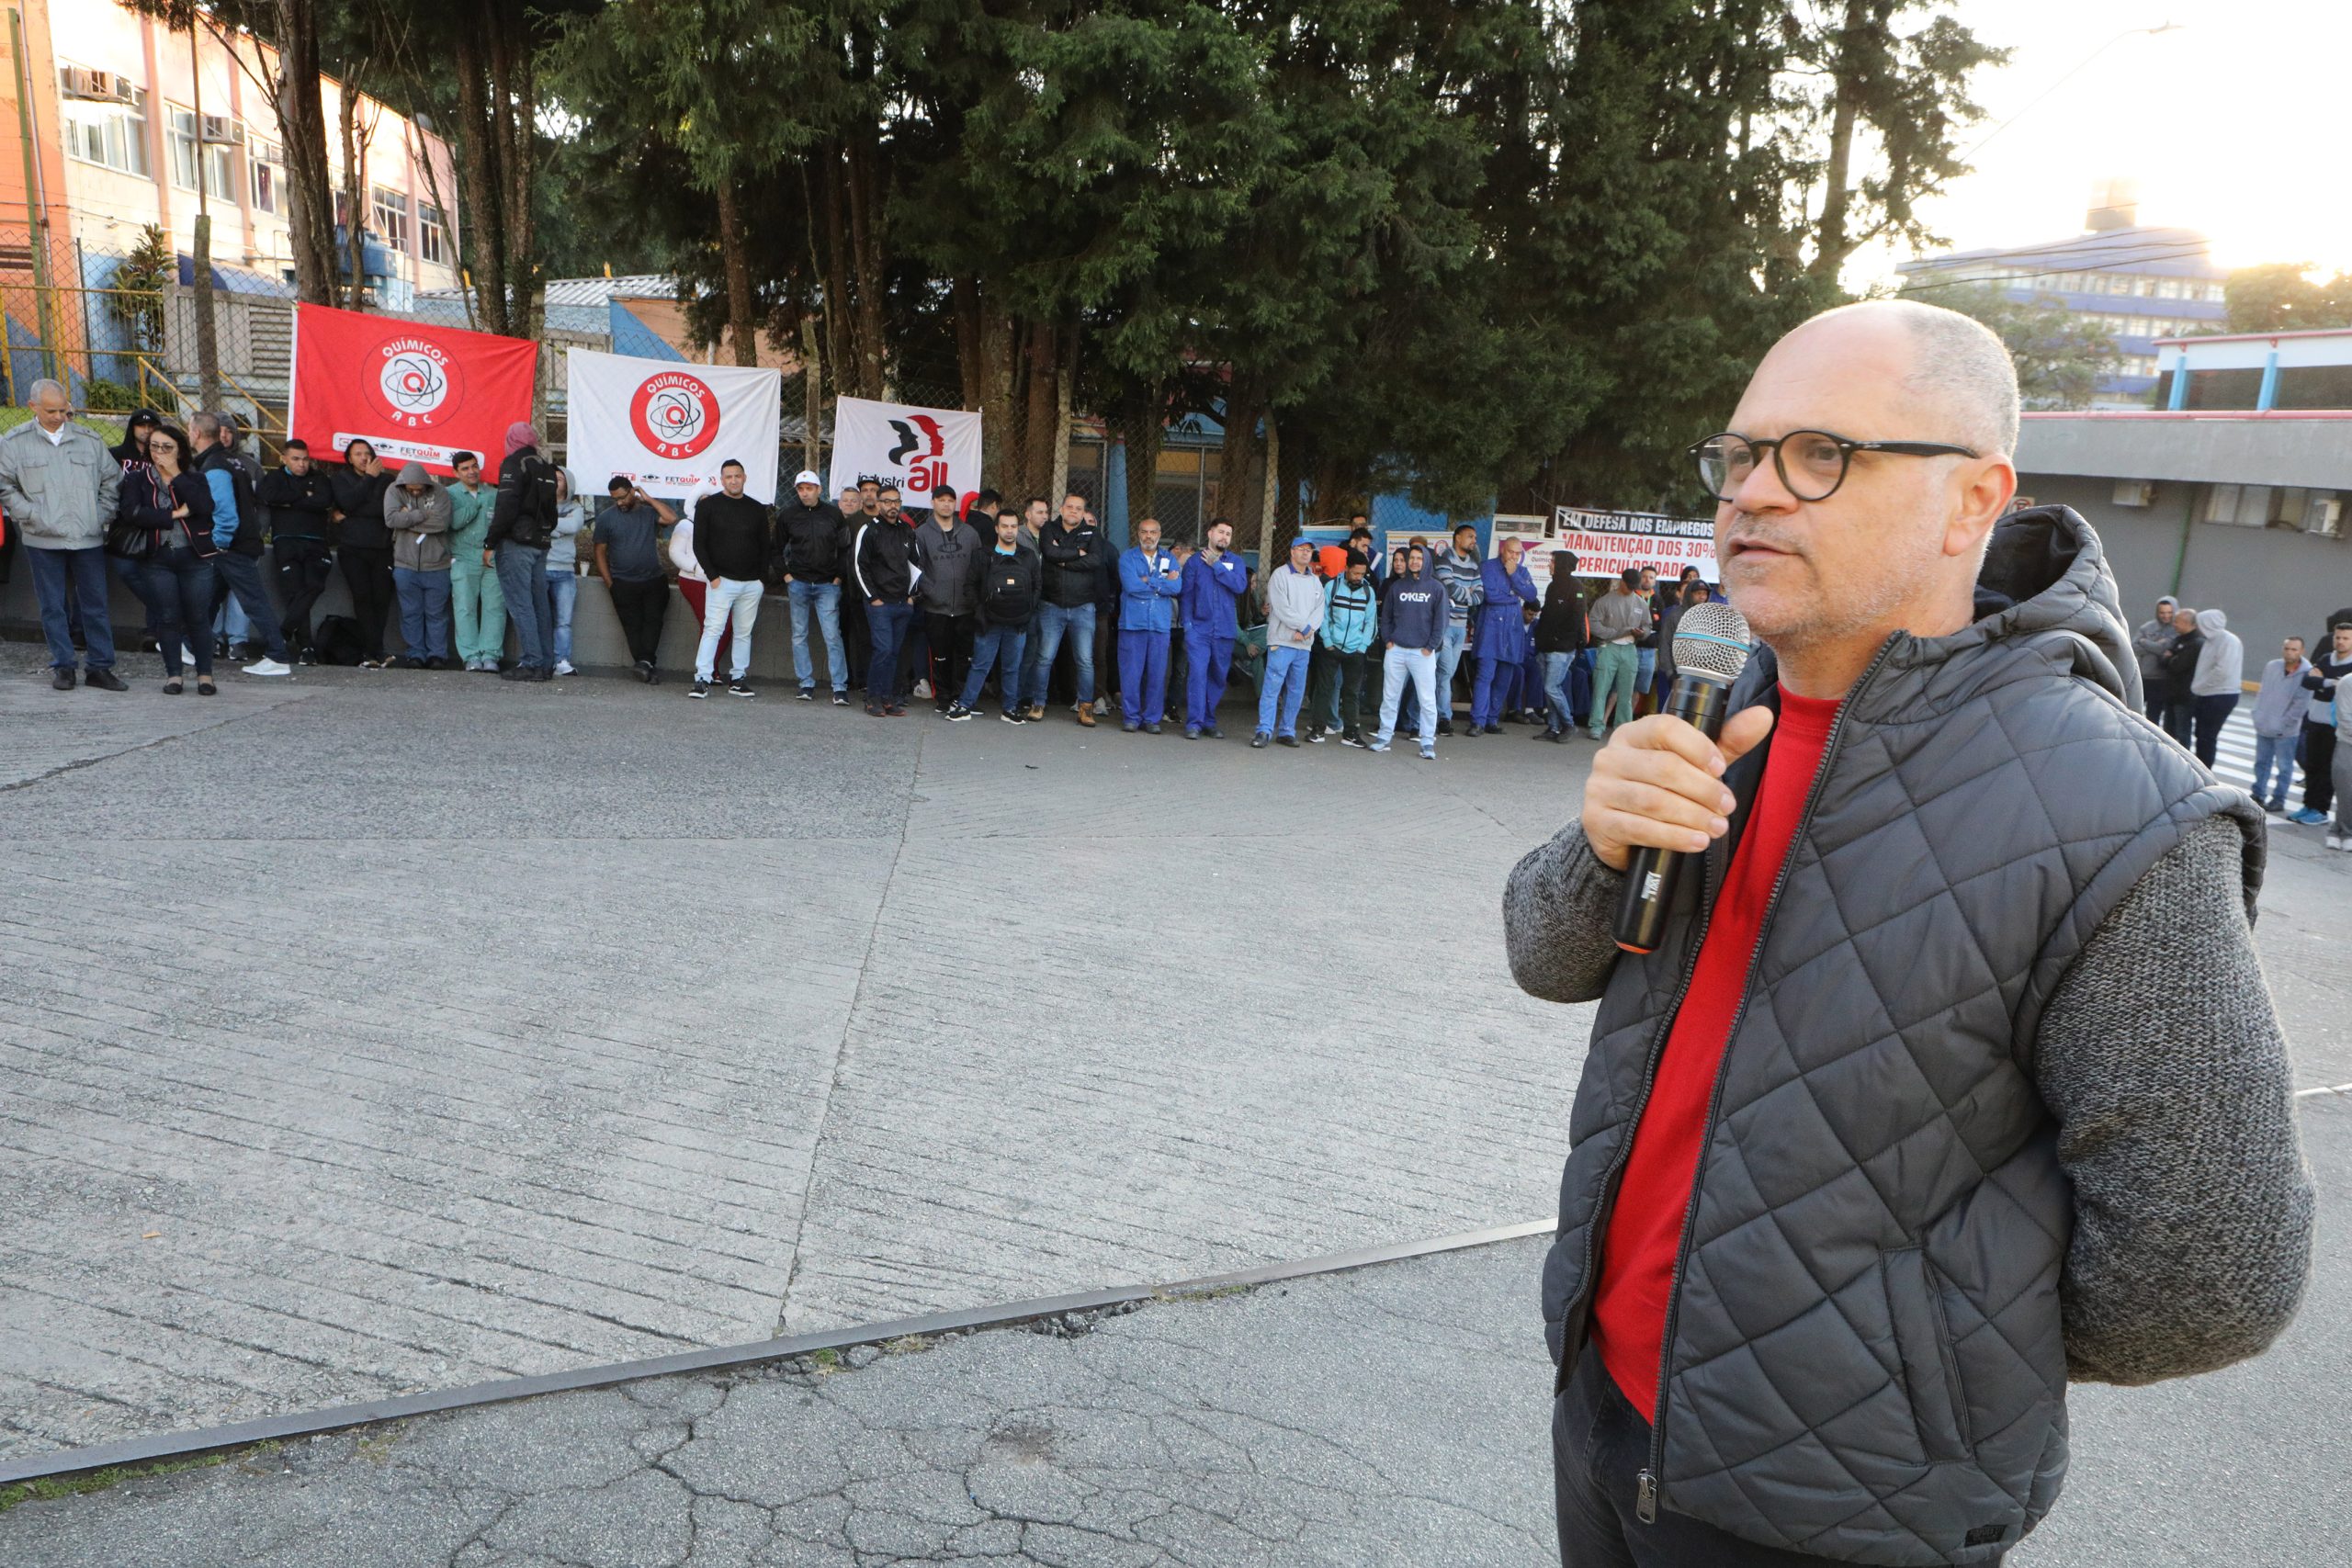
(49, 1490)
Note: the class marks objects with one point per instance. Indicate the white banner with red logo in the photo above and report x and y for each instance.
(412, 390)
(916, 449)
(1606, 542)
(667, 425)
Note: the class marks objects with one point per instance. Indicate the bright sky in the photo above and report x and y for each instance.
(2232, 125)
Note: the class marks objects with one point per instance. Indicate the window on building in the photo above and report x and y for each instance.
(220, 157)
(432, 233)
(268, 165)
(388, 214)
(2240, 506)
(2168, 289)
(104, 127)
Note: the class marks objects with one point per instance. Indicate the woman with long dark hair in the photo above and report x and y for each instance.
(175, 504)
(364, 545)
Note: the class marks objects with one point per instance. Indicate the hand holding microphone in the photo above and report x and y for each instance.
(1657, 793)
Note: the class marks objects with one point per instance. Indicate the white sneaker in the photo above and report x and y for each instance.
(1101, 707)
(2336, 842)
(270, 667)
(563, 666)
(922, 688)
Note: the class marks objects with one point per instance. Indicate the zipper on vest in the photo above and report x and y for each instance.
(1647, 1486)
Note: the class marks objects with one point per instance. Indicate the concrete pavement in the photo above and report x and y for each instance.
(1396, 1414)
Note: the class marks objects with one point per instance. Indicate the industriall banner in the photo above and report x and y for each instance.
(668, 425)
(916, 449)
(412, 390)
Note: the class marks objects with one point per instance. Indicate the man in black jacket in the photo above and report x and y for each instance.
(732, 545)
(237, 530)
(810, 550)
(2180, 668)
(887, 573)
(300, 505)
(1559, 638)
(1074, 566)
(521, 521)
(1005, 594)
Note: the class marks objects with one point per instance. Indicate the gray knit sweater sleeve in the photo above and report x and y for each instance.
(1557, 911)
(2161, 1057)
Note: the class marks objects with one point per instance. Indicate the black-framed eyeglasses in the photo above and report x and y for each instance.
(1811, 463)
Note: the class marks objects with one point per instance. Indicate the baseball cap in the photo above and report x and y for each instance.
(806, 477)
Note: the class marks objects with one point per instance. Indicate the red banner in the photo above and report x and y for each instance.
(410, 390)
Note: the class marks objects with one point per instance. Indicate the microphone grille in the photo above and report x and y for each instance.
(1712, 639)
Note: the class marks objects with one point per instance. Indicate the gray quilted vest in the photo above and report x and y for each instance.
(1864, 1358)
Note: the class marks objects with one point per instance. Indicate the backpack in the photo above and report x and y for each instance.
(337, 641)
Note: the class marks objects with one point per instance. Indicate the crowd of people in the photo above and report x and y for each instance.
(2192, 671)
(971, 600)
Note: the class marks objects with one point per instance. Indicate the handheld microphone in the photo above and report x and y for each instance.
(1711, 648)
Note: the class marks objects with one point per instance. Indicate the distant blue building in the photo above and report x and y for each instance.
(2140, 282)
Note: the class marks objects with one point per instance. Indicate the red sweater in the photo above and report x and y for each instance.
(1637, 1256)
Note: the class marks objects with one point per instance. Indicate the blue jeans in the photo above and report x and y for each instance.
(1143, 676)
(1398, 668)
(889, 623)
(996, 645)
(1281, 692)
(1557, 668)
(424, 611)
(243, 576)
(523, 581)
(2273, 750)
(825, 598)
(563, 591)
(1208, 659)
(83, 573)
(1449, 656)
(1644, 672)
(179, 595)
(1054, 622)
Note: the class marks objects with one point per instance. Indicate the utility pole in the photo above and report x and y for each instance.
(208, 330)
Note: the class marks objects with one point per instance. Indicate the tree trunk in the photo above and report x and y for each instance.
(1832, 246)
(838, 309)
(1143, 424)
(302, 129)
(483, 232)
(355, 188)
(812, 394)
(964, 299)
(1039, 413)
(208, 324)
(1001, 448)
(865, 246)
(741, 324)
(1066, 372)
(1242, 482)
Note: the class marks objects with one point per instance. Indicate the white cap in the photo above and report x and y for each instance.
(806, 477)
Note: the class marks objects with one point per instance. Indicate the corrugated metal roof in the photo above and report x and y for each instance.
(594, 291)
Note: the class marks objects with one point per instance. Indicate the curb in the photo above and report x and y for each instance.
(203, 1440)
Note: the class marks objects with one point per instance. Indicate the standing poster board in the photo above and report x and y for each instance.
(668, 425)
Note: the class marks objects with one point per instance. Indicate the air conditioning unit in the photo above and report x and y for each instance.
(2323, 515)
(2136, 493)
(220, 128)
(124, 90)
(76, 83)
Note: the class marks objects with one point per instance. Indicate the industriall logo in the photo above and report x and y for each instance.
(918, 438)
(673, 414)
(416, 385)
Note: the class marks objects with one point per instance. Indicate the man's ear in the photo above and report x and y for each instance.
(1987, 485)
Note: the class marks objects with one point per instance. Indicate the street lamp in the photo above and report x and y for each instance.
(2078, 68)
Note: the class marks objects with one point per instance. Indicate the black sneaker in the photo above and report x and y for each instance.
(645, 670)
(701, 689)
(1445, 727)
(1289, 740)
(1314, 739)
(740, 688)
(1151, 730)
(653, 676)
(63, 679)
(805, 694)
(1214, 733)
(1012, 718)
(841, 699)
(957, 713)
(1258, 741)
(1354, 741)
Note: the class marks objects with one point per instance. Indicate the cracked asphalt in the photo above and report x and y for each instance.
(1394, 1414)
